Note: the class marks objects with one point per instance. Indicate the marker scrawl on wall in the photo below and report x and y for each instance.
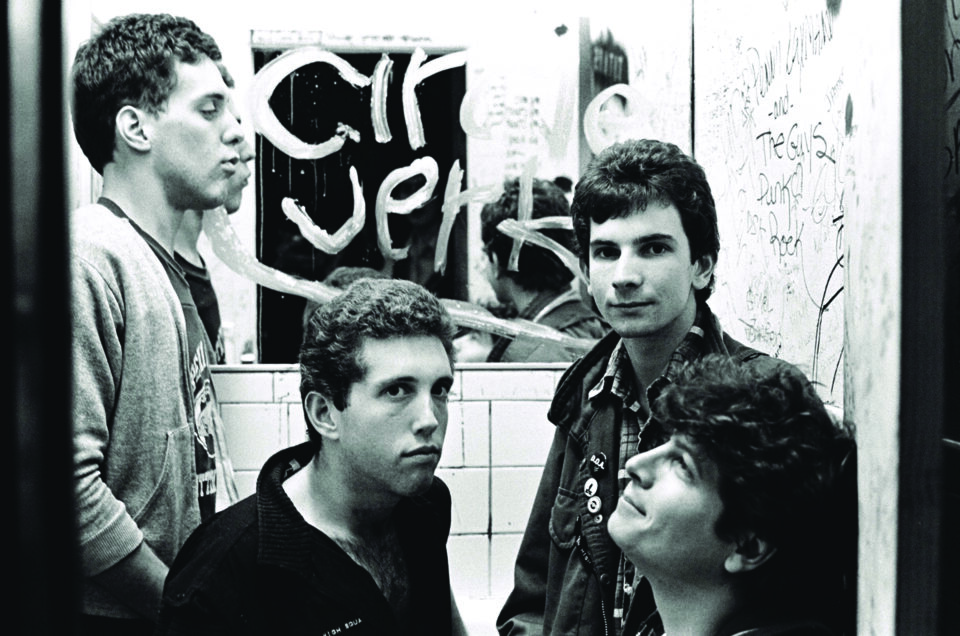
(774, 132)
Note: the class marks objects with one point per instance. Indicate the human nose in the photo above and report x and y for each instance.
(626, 271)
(642, 467)
(427, 416)
(246, 151)
(233, 133)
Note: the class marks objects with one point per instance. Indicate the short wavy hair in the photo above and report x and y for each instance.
(379, 309)
(130, 62)
(630, 175)
(538, 268)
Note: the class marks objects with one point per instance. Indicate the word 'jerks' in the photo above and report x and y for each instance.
(602, 131)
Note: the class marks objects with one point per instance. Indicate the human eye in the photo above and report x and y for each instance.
(397, 390)
(210, 108)
(441, 390)
(604, 252)
(683, 465)
(656, 249)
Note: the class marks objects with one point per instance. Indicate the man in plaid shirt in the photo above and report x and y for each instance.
(646, 226)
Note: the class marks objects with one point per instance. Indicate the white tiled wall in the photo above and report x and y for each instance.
(497, 439)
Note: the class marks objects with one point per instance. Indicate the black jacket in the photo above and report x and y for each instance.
(258, 568)
(566, 568)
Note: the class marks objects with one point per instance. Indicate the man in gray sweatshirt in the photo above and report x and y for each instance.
(150, 112)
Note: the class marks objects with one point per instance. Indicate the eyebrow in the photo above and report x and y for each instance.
(410, 379)
(639, 240)
(695, 453)
(216, 95)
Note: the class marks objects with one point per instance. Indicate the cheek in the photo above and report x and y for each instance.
(695, 519)
(597, 279)
(619, 530)
(442, 412)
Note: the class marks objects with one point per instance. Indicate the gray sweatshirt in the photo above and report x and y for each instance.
(134, 471)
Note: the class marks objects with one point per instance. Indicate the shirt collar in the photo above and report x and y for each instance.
(617, 378)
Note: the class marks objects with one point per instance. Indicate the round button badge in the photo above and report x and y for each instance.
(593, 505)
(598, 464)
(590, 487)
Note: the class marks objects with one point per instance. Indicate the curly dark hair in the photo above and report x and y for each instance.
(628, 176)
(783, 464)
(131, 61)
(538, 268)
(330, 360)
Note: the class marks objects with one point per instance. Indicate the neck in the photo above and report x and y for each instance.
(328, 501)
(686, 609)
(145, 203)
(650, 354)
(187, 236)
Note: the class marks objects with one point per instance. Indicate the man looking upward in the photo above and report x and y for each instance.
(646, 228)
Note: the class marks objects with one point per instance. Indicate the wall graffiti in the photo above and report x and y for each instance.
(479, 111)
(771, 132)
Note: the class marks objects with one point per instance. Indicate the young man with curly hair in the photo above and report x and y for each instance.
(347, 532)
(743, 520)
(646, 227)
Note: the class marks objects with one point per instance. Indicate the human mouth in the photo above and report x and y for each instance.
(428, 452)
(626, 501)
(231, 165)
(628, 305)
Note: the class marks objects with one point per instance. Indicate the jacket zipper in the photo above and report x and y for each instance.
(589, 561)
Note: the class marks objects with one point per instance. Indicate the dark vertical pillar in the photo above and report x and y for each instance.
(922, 312)
(37, 443)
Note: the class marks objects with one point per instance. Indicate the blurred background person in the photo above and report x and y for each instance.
(189, 258)
(541, 289)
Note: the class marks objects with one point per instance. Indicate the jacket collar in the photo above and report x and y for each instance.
(286, 540)
(591, 379)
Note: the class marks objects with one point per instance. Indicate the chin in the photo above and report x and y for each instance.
(631, 330)
(614, 529)
(419, 487)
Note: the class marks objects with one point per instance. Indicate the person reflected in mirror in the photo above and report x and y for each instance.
(188, 254)
(347, 532)
(541, 289)
(742, 521)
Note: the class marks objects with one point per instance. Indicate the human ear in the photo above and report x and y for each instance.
(703, 271)
(320, 410)
(750, 553)
(131, 128)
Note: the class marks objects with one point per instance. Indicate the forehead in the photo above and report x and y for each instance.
(656, 219)
(420, 357)
(197, 81)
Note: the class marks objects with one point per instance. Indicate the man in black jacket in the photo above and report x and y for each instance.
(347, 532)
(646, 227)
(744, 522)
